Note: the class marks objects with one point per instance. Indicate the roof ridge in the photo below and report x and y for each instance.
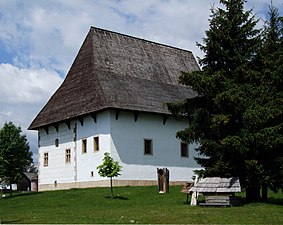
(102, 96)
(141, 39)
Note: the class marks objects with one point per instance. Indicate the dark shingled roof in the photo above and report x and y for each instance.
(31, 176)
(118, 71)
(217, 185)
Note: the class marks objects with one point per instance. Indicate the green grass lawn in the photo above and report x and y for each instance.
(131, 205)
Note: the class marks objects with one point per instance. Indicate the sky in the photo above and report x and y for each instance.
(39, 40)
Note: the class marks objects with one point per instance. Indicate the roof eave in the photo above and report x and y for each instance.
(164, 113)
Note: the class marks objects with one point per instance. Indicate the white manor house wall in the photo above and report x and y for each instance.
(123, 135)
(127, 146)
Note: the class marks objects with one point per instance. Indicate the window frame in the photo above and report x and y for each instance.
(45, 159)
(84, 146)
(148, 143)
(184, 147)
(56, 142)
(96, 144)
(67, 155)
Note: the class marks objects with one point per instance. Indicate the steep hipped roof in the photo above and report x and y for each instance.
(217, 185)
(117, 71)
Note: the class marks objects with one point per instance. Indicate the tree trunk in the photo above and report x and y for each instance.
(253, 194)
(11, 189)
(111, 187)
(264, 193)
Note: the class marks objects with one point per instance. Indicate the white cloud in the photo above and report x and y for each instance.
(49, 33)
(23, 92)
(26, 86)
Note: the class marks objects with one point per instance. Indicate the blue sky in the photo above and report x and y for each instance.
(39, 40)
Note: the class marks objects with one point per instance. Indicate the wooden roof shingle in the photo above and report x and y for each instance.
(217, 185)
(113, 70)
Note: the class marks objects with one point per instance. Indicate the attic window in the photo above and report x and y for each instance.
(148, 147)
(96, 144)
(84, 146)
(184, 150)
(56, 142)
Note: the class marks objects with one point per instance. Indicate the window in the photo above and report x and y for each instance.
(96, 144)
(148, 147)
(45, 159)
(68, 155)
(84, 150)
(184, 150)
(56, 142)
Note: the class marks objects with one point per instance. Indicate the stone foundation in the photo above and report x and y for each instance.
(103, 183)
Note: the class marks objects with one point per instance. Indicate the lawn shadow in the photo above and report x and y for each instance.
(118, 197)
(275, 201)
(9, 221)
(17, 194)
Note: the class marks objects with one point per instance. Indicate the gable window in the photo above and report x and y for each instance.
(184, 150)
(68, 155)
(84, 145)
(96, 144)
(56, 142)
(45, 159)
(148, 147)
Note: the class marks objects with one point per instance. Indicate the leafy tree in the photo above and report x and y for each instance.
(15, 153)
(234, 114)
(109, 168)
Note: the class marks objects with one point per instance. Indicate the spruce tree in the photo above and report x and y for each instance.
(222, 115)
(268, 126)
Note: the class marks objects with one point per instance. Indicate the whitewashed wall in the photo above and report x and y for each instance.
(57, 169)
(126, 144)
(87, 162)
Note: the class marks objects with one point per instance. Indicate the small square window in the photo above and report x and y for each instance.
(148, 147)
(68, 155)
(84, 146)
(184, 150)
(56, 142)
(96, 144)
(45, 159)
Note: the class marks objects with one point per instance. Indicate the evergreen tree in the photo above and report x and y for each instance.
(227, 118)
(14, 153)
(269, 127)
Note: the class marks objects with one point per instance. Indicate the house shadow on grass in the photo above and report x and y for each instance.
(275, 201)
(9, 221)
(118, 197)
(17, 194)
